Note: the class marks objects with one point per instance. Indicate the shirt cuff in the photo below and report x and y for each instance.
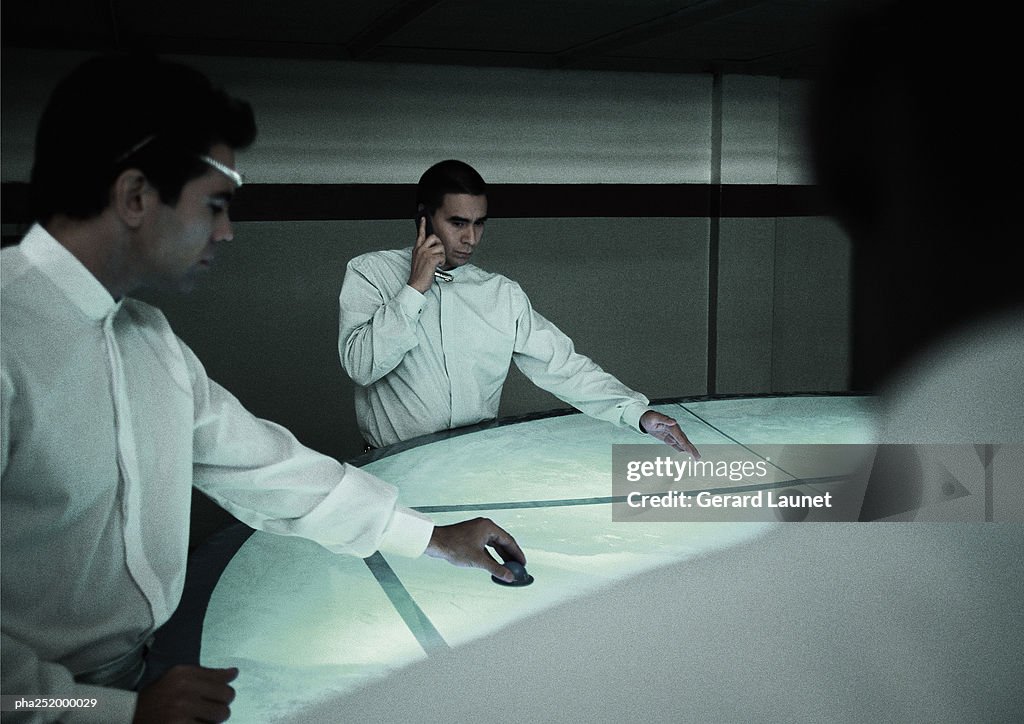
(632, 414)
(408, 533)
(411, 301)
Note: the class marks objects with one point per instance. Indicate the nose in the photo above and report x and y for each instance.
(472, 235)
(223, 231)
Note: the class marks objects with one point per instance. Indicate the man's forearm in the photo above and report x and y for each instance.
(371, 346)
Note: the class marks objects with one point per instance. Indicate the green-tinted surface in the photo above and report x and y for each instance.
(306, 626)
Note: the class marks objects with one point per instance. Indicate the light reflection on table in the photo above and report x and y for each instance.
(306, 626)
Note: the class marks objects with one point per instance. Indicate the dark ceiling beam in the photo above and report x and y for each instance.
(696, 13)
(387, 25)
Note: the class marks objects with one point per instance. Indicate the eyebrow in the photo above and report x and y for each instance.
(468, 221)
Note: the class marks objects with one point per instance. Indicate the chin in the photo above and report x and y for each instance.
(185, 283)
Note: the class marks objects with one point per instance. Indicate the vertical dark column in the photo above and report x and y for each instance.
(714, 230)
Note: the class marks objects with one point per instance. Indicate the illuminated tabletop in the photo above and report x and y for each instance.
(306, 627)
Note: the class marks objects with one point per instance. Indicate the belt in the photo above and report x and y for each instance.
(123, 672)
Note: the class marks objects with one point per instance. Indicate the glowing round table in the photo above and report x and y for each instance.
(306, 627)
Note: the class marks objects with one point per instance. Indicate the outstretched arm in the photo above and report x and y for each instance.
(547, 356)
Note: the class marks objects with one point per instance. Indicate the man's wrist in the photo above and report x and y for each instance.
(409, 534)
(412, 300)
(632, 416)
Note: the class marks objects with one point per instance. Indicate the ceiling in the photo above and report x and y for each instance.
(761, 37)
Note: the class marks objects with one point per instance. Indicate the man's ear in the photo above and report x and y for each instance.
(131, 197)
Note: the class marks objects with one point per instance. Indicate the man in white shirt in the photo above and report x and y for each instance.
(428, 337)
(108, 418)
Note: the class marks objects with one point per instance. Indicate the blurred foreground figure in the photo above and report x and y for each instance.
(914, 142)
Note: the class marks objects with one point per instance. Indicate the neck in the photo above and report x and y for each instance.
(101, 247)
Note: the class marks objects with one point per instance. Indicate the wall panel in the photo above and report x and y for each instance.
(634, 291)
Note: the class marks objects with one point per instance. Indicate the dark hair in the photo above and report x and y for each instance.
(129, 111)
(448, 177)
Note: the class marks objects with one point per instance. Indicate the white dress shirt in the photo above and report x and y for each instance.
(424, 363)
(108, 419)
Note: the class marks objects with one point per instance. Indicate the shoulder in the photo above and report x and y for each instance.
(475, 275)
(966, 389)
(381, 268)
(14, 265)
(383, 272)
(381, 259)
(509, 288)
(31, 302)
(496, 291)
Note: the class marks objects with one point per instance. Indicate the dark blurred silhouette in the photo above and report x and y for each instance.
(916, 147)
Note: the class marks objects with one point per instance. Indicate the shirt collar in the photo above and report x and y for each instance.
(459, 270)
(62, 268)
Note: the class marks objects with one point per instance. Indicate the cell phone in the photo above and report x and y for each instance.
(424, 215)
(428, 230)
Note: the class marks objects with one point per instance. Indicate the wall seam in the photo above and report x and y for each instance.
(714, 231)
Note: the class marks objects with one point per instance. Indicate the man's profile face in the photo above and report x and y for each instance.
(182, 237)
(459, 224)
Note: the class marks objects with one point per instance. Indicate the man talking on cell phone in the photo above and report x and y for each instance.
(428, 354)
